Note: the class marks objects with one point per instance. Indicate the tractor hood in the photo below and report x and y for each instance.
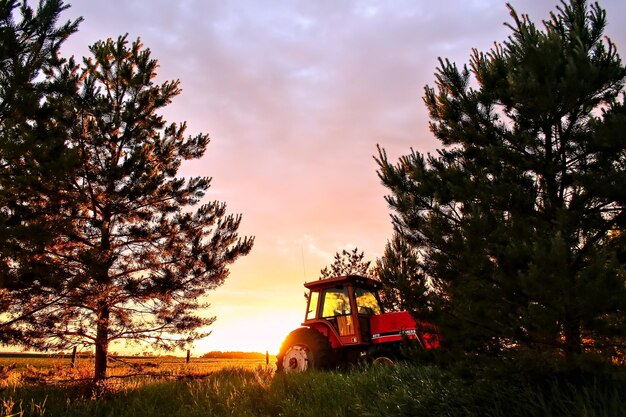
(391, 327)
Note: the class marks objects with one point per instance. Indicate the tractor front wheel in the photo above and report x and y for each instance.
(304, 349)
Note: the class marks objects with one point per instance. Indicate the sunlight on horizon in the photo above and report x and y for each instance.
(249, 334)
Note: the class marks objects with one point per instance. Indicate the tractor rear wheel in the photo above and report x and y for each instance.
(384, 360)
(304, 349)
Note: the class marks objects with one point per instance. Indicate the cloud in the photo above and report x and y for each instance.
(302, 245)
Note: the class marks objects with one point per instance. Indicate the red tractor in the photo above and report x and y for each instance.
(344, 323)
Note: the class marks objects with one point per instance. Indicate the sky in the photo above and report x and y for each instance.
(296, 95)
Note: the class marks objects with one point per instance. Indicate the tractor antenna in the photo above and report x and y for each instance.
(303, 264)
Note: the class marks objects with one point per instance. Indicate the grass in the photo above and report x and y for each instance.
(401, 390)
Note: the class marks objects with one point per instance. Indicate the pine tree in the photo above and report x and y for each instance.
(518, 220)
(404, 285)
(347, 263)
(142, 254)
(34, 161)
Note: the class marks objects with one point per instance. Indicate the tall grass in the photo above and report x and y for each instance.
(377, 391)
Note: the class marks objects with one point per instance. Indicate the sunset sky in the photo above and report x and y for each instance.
(295, 96)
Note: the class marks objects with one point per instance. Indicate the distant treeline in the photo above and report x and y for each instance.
(209, 355)
(234, 355)
(27, 355)
(43, 355)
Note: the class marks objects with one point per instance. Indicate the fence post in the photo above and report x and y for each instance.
(188, 355)
(267, 358)
(74, 357)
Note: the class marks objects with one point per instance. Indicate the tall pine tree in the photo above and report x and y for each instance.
(143, 253)
(519, 219)
(35, 116)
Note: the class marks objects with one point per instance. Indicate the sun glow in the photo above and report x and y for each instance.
(258, 333)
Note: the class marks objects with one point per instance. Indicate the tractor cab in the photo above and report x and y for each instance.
(343, 306)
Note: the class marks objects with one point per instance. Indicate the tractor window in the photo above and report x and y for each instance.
(312, 308)
(366, 302)
(336, 302)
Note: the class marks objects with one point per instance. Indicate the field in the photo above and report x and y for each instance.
(57, 369)
(209, 387)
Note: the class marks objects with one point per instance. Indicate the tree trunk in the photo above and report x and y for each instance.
(573, 340)
(102, 343)
(572, 323)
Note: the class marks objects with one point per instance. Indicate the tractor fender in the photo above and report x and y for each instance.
(327, 330)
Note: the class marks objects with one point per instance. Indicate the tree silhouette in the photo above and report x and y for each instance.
(347, 263)
(35, 117)
(404, 284)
